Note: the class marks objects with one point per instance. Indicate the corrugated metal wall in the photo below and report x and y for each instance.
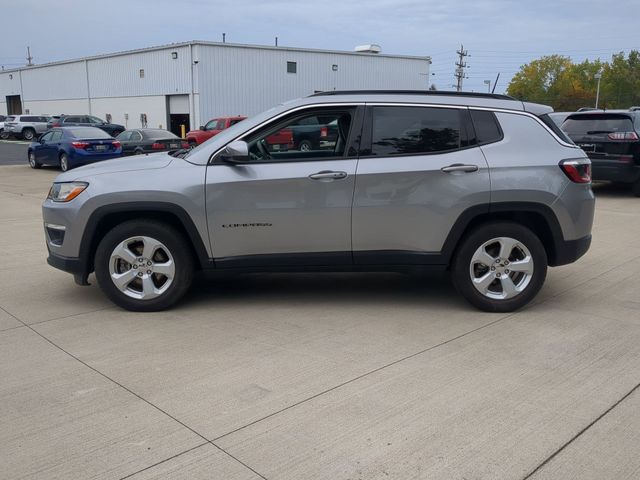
(228, 79)
(120, 76)
(238, 80)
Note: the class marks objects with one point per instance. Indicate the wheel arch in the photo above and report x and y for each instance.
(539, 218)
(105, 218)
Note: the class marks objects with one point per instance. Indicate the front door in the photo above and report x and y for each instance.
(286, 207)
(418, 171)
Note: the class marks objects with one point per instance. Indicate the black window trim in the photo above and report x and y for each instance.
(465, 132)
(355, 133)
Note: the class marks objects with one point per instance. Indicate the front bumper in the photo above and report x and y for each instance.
(78, 268)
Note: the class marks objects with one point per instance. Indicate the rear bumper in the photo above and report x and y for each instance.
(568, 251)
(614, 170)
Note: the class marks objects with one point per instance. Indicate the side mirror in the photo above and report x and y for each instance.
(201, 127)
(235, 152)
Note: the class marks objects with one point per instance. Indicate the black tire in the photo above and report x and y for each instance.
(28, 133)
(4, 135)
(33, 163)
(175, 243)
(305, 145)
(461, 266)
(64, 162)
(138, 151)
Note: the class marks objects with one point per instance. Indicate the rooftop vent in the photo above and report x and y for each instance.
(371, 48)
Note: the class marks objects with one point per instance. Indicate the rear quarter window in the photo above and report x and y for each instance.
(486, 127)
(553, 126)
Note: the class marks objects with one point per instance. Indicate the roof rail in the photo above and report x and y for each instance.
(413, 92)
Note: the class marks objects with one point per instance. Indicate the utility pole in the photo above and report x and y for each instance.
(460, 66)
(598, 76)
(29, 58)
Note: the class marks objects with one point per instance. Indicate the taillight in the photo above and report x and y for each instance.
(578, 170)
(323, 132)
(623, 136)
(185, 144)
(158, 146)
(116, 144)
(80, 145)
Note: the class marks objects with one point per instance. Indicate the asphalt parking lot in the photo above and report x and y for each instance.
(13, 152)
(324, 376)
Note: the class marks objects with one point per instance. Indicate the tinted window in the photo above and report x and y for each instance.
(211, 125)
(27, 118)
(486, 126)
(411, 130)
(2, 118)
(46, 137)
(552, 124)
(221, 124)
(158, 134)
(10, 119)
(88, 133)
(136, 137)
(592, 124)
(56, 136)
(71, 120)
(234, 121)
(124, 136)
(95, 120)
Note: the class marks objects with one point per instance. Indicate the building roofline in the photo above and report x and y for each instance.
(210, 44)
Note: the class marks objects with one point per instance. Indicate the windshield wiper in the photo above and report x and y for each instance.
(180, 153)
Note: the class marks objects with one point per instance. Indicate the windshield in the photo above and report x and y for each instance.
(594, 124)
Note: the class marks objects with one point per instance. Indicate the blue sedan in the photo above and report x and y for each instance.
(70, 147)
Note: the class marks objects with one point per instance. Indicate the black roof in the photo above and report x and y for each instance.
(414, 92)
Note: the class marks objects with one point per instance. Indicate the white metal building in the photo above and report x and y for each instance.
(189, 83)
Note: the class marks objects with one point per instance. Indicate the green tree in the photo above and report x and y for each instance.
(555, 80)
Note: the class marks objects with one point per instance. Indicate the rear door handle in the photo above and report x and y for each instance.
(328, 175)
(460, 168)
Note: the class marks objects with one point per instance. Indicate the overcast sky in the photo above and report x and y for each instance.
(500, 35)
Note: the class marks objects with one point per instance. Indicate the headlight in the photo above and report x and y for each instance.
(67, 191)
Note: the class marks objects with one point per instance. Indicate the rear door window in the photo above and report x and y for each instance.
(136, 137)
(415, 130)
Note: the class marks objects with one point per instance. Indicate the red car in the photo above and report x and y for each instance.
(213, 127)
(282, 140)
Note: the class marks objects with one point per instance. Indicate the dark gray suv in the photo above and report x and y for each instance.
(482, 185)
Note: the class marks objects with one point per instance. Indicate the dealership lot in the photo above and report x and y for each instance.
(318, 376)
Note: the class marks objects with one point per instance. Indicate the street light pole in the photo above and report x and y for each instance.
(598, 76)
(488, 84)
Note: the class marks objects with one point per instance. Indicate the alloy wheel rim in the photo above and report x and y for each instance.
(32, 160)
(142, 267)
(63, 163)
(501, 268)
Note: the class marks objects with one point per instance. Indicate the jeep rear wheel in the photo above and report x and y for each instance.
(500, 267)
(144, 265)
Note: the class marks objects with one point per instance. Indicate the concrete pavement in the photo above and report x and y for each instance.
(318, 376)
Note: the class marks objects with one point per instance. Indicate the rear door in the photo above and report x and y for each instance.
(418, 171)
(125, 140)
(286, 208)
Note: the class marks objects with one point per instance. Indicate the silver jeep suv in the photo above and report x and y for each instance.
(482, 185)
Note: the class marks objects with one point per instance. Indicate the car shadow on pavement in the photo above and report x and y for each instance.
(428, 289)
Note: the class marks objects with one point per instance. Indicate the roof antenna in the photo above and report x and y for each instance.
(224, 38)
(495, 83)
(276, 41)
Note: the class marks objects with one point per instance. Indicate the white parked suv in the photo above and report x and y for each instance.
(26, 126)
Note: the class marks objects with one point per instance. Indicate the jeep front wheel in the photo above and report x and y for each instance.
(144, 265)
(500, 267)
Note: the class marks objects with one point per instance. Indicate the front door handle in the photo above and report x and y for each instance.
(328, 175)
(460, 168)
